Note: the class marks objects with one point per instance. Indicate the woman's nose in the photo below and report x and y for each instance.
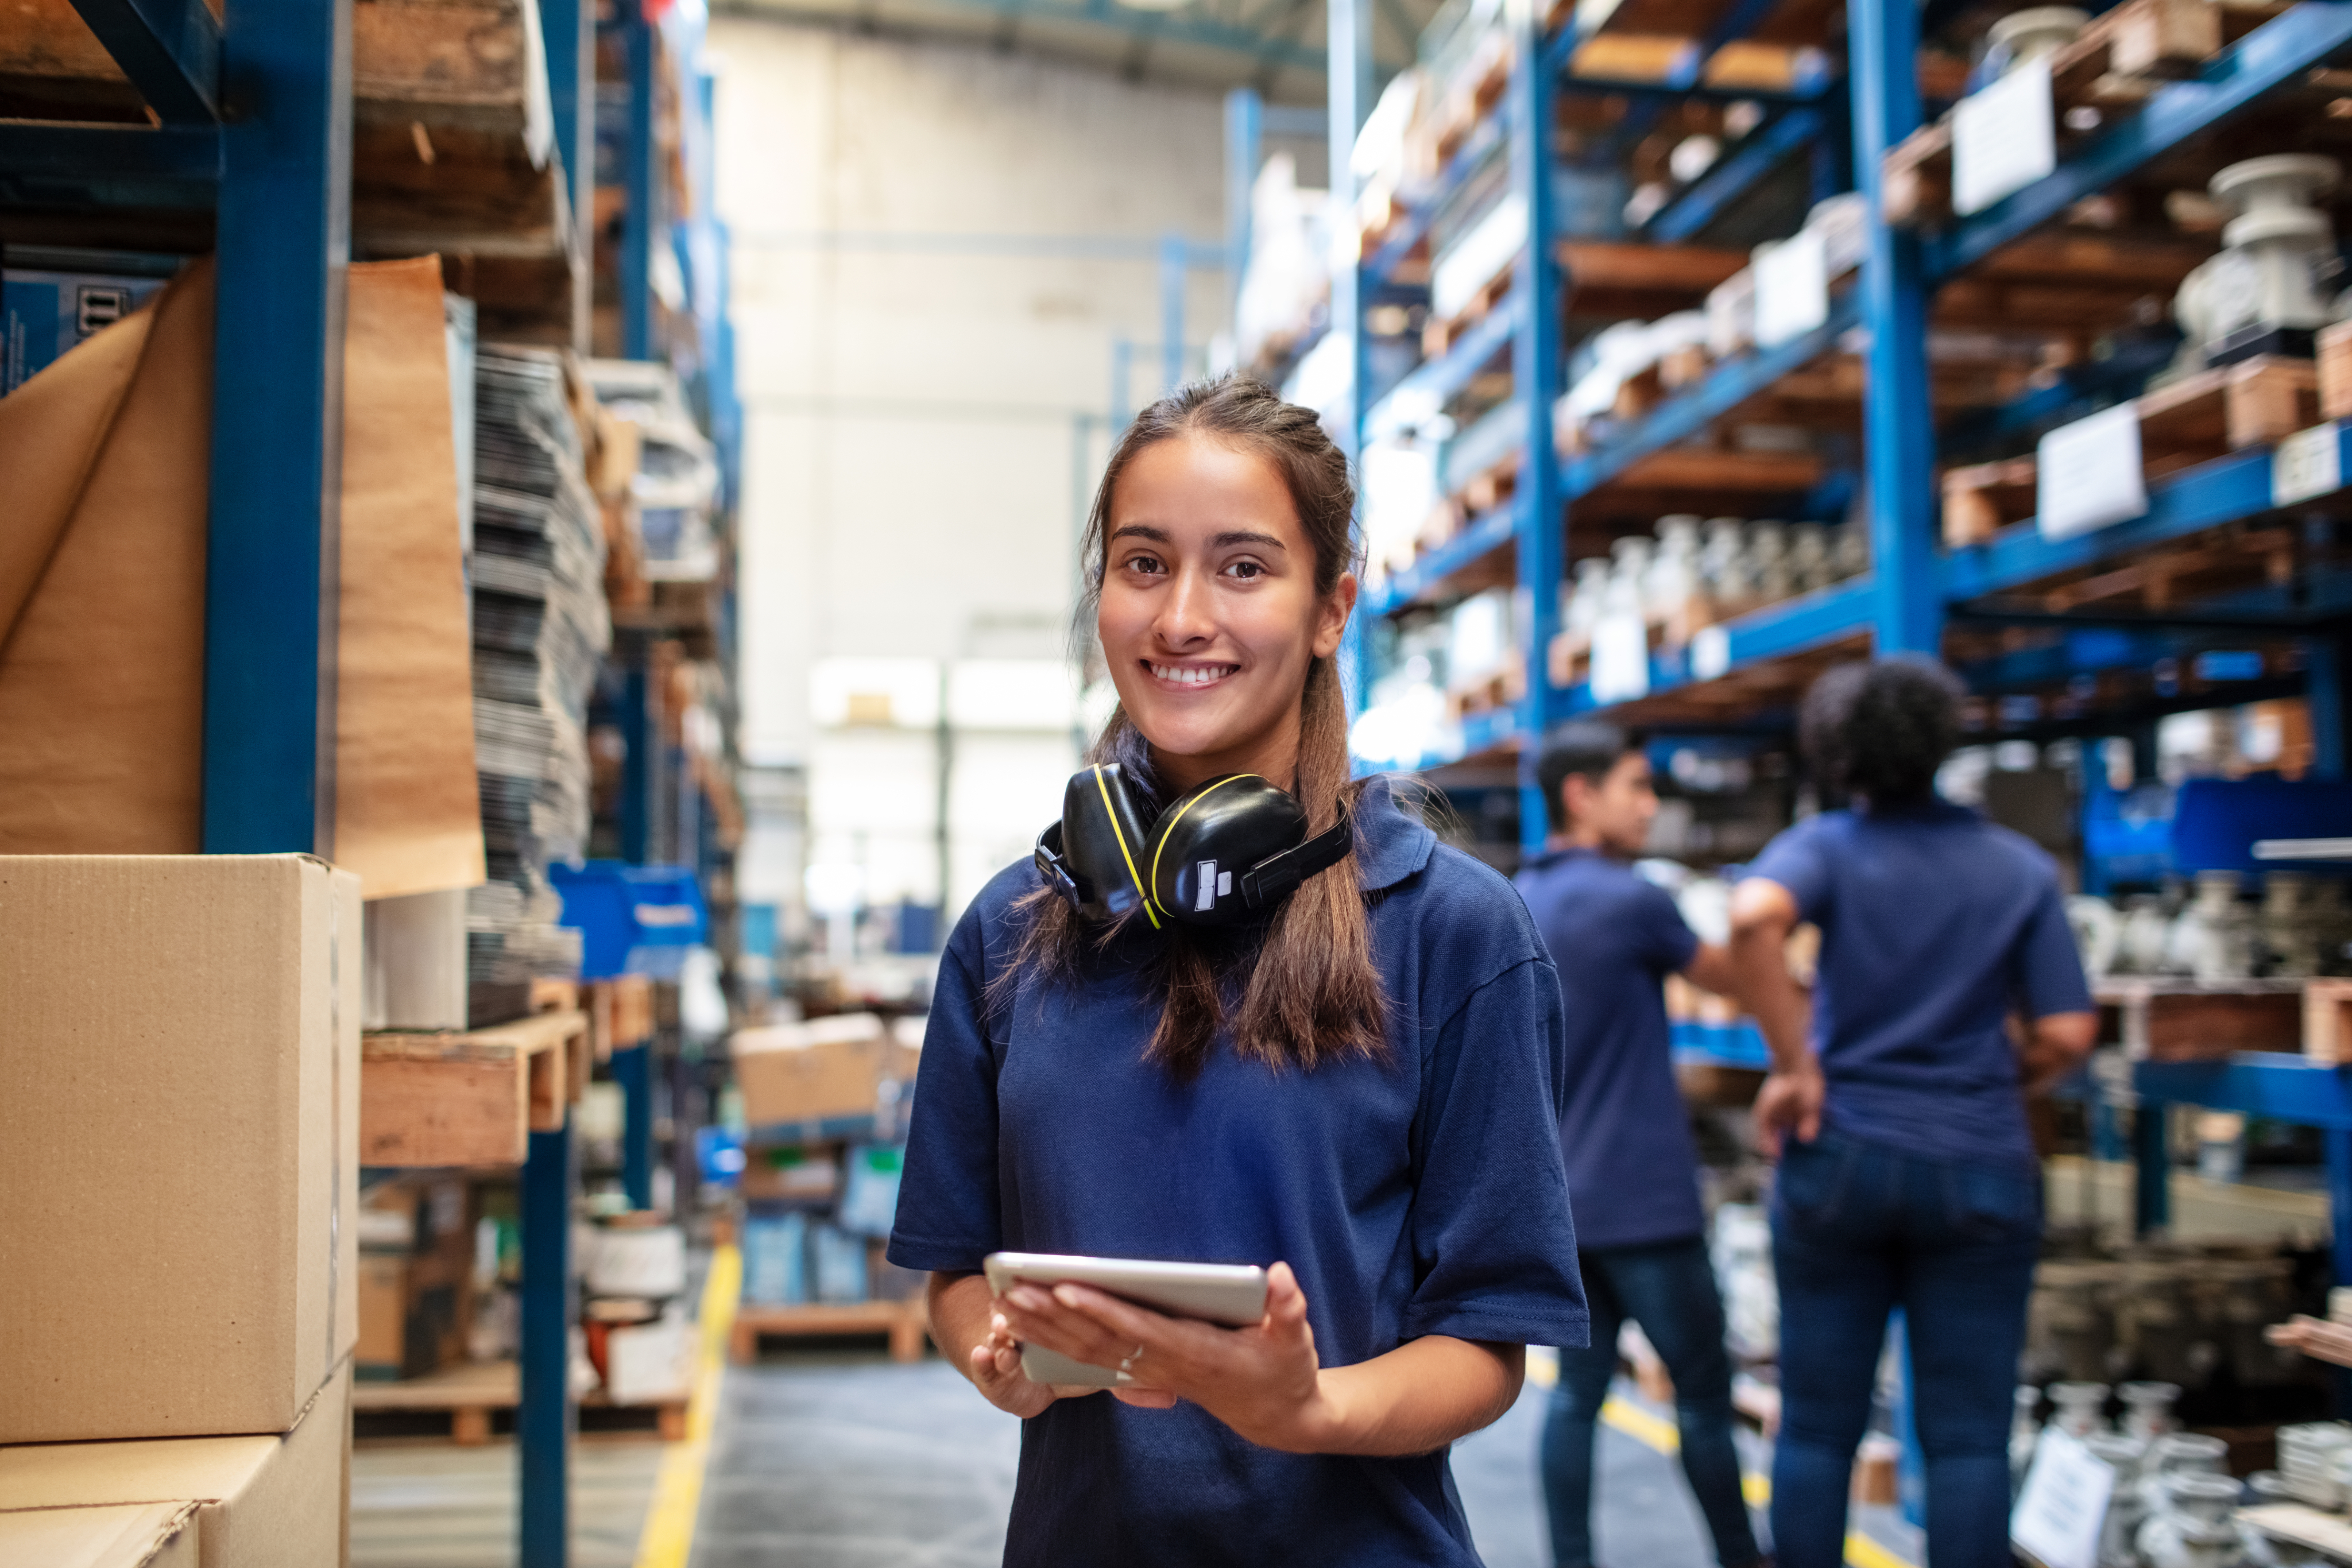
(1185, 615)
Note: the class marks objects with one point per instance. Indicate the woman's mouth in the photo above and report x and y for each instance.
(1190, 674)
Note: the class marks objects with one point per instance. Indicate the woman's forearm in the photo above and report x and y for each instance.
(1417, 1399)
(960, 1306)
(1763, 915)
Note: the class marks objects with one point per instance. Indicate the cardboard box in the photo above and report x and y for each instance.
(178, 1141)
(134, 1535)
(828, 1070)
(415, 1276)
(259, 1501)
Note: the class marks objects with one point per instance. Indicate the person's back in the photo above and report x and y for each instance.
(1934, 921)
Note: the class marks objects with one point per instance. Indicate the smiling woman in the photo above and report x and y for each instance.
(1358, 1090)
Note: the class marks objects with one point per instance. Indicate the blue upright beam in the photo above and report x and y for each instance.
(171, 50)
(1171, 311)
(1244, 145)
(638, 741)
(2338, 1143)
(1899, 428)
(1347, 55)
(1535, 371)
(270, 568)
(2324, 695)
(546, 1419)
(639, 221)
(633, 1070)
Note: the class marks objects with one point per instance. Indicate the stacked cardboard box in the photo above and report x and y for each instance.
(825, 1103)
(180, 1147)
(415, 1276)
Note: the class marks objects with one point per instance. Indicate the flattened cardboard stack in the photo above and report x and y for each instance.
(179, 1145)
(540, 629)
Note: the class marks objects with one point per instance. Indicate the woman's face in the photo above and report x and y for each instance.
(1208, 617)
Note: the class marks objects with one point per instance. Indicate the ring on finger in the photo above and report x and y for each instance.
(1126, 1362)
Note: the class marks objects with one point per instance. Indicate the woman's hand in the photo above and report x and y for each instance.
(1790, 1102)
(1263, 1381)
(963, 1319)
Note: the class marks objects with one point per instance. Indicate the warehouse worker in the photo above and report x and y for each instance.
(1633, 1169)
(1897, 1106)
(1357, 1086)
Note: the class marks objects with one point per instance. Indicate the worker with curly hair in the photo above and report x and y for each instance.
(1895, 1104)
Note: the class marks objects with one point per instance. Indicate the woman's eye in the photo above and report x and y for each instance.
(1144, 563)
(1245, 570)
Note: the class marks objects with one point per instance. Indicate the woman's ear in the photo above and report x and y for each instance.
(1332, 615)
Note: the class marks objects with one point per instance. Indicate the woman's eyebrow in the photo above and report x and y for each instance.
(1142, 531)
(1242, 537)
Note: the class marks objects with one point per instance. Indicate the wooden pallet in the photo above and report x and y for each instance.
(906, 1323)
(2161, 1019)
(2302, 1524)
(472, 1393)
(451, 1098)
(2256, 402)
(620, 1013)
(2327, 1022)
(2118, 61)
(1438, 338)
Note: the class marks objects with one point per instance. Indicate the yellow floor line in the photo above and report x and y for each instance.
(668, 1537)
(1655, 1432)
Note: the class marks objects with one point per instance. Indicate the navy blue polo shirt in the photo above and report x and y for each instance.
(1633, 1169)
(1935, 924)
(1420, 1193)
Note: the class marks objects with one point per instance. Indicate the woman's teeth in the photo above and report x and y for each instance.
(1192, 674)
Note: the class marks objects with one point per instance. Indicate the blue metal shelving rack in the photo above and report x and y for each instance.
(254, 114)
(1915, 585)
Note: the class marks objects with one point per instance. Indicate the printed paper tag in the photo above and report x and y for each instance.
(2307, 464)
(2089, 474)
(1710, 652)
(2064, 1503)
(1792, 288)
(1620, 659)
(2003, 138)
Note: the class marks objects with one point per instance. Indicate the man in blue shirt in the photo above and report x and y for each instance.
(1632, 1168)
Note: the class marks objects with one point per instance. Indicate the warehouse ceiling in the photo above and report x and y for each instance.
(1274, 45)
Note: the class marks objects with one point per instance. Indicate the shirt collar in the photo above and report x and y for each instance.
(1392, 841)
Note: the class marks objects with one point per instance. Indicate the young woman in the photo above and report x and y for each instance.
(1906, 1177)
(1361, 1092)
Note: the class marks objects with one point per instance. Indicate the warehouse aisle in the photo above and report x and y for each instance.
(841, 1461)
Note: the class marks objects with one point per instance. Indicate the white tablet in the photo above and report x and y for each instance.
(1230, 1294)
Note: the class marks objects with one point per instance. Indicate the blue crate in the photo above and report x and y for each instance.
(632, 919)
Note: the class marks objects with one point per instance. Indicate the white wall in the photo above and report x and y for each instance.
(913, 414)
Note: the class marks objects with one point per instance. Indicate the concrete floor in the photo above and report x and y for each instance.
(419, 1503)
(832, 1462)
(844, 1460)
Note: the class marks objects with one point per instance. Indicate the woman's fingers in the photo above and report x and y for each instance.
(1037, 1318)
(1145, 1399)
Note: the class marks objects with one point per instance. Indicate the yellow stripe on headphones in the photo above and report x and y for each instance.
(1120, 834)
(1171, 827)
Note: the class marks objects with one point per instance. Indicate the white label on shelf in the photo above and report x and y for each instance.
(1710, 652)
(1620, 659)
(2089, 474)
(2003, 138)
(1792, 288)
(2064, 1503)
(2307, 464)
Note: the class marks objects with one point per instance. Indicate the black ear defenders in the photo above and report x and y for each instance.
(1222, 855)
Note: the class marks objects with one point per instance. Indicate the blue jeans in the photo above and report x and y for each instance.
(1669, 1290)
(1859, 1229)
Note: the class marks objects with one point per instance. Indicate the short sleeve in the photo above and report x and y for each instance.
(1795, 860)
(1663, 937)
(2048, 965)
(949, 1218)
(1494, 1244)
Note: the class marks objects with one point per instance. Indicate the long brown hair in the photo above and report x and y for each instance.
(1300, 989)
